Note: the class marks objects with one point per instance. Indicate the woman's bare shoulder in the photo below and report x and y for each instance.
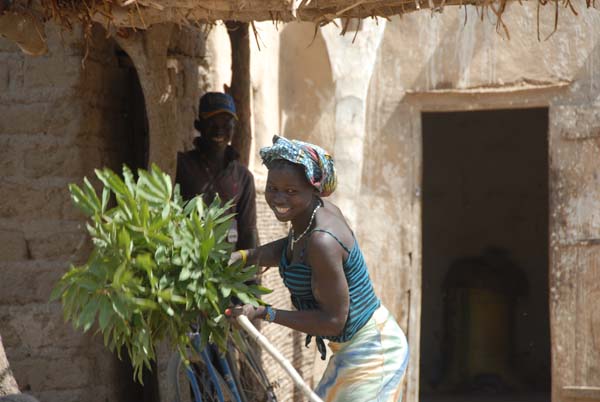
(328, 204)
(334, 222)
(333, 210)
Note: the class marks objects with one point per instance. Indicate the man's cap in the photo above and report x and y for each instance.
(212, 103)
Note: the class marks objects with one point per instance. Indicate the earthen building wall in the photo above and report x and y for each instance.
(62, 115)
(58, 122)
(450, 61)
(51, 136)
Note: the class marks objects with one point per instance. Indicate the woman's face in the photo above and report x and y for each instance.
(288, 193)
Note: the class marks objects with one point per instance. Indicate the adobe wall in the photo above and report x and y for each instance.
(421, 62)
(57, 123)
(47, 143)
(440, 62)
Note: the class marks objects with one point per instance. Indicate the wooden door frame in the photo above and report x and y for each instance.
(463, 101)
(574, 157)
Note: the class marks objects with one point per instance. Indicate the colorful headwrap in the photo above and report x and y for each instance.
(317, 163)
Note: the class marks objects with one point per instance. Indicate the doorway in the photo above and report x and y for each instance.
(128, 142)
(485, 321)
(136, 142)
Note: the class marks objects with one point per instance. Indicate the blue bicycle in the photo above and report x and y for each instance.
(211, 376)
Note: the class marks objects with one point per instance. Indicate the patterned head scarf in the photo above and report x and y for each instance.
(317, 163)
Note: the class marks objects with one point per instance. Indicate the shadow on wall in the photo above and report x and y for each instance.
(306, 87)
(481, 295)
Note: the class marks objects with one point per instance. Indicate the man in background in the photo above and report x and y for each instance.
(213, 167)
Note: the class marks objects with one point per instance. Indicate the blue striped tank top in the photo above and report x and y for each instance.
(363, 301)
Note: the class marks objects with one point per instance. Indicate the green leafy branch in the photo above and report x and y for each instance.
(158, 265)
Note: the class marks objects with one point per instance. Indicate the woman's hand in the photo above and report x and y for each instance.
(239, 255)
(245, 309)
(235, 257)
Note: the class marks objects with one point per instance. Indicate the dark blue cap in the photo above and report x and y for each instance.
(212, 103)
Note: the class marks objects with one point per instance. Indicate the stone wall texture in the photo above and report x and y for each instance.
(61, 116)
(53, 118)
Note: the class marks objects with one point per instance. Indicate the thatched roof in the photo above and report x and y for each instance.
(143, 13)
(22, 20)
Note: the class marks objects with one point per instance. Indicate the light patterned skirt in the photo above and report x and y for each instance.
(369, 367)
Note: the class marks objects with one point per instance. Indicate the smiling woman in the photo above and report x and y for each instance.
(323, 268)
(287, 190)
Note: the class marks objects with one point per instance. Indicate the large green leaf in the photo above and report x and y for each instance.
(157, 264)
(81, 200)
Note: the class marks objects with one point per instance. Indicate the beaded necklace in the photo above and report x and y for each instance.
(310, 222)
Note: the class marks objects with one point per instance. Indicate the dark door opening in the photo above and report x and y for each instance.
(129, 137)
(485, 322)
(136, 143)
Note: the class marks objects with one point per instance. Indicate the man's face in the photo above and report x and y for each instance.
(219, 129)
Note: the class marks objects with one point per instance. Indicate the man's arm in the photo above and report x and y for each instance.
(182, 176)
(246, 214)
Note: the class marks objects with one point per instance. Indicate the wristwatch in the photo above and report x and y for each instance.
(270, 313)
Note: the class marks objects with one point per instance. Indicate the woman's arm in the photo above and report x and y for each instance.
(267, 255)
(330, 289)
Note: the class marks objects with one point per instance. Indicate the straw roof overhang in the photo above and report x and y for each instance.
(144, 13)
(22, 20)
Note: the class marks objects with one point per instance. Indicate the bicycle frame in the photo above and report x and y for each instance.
(213, 376)
(223, 365)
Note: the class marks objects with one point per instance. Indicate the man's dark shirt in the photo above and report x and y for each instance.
(195, 176)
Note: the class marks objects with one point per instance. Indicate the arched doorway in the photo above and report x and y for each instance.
(136, 139)
(124, 128)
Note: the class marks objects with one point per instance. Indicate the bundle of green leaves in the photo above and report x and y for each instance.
(158, 266)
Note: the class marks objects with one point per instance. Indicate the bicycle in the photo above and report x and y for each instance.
(236, 376)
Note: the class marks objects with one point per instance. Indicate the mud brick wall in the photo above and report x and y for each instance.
(52, 114)
(59, 121)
